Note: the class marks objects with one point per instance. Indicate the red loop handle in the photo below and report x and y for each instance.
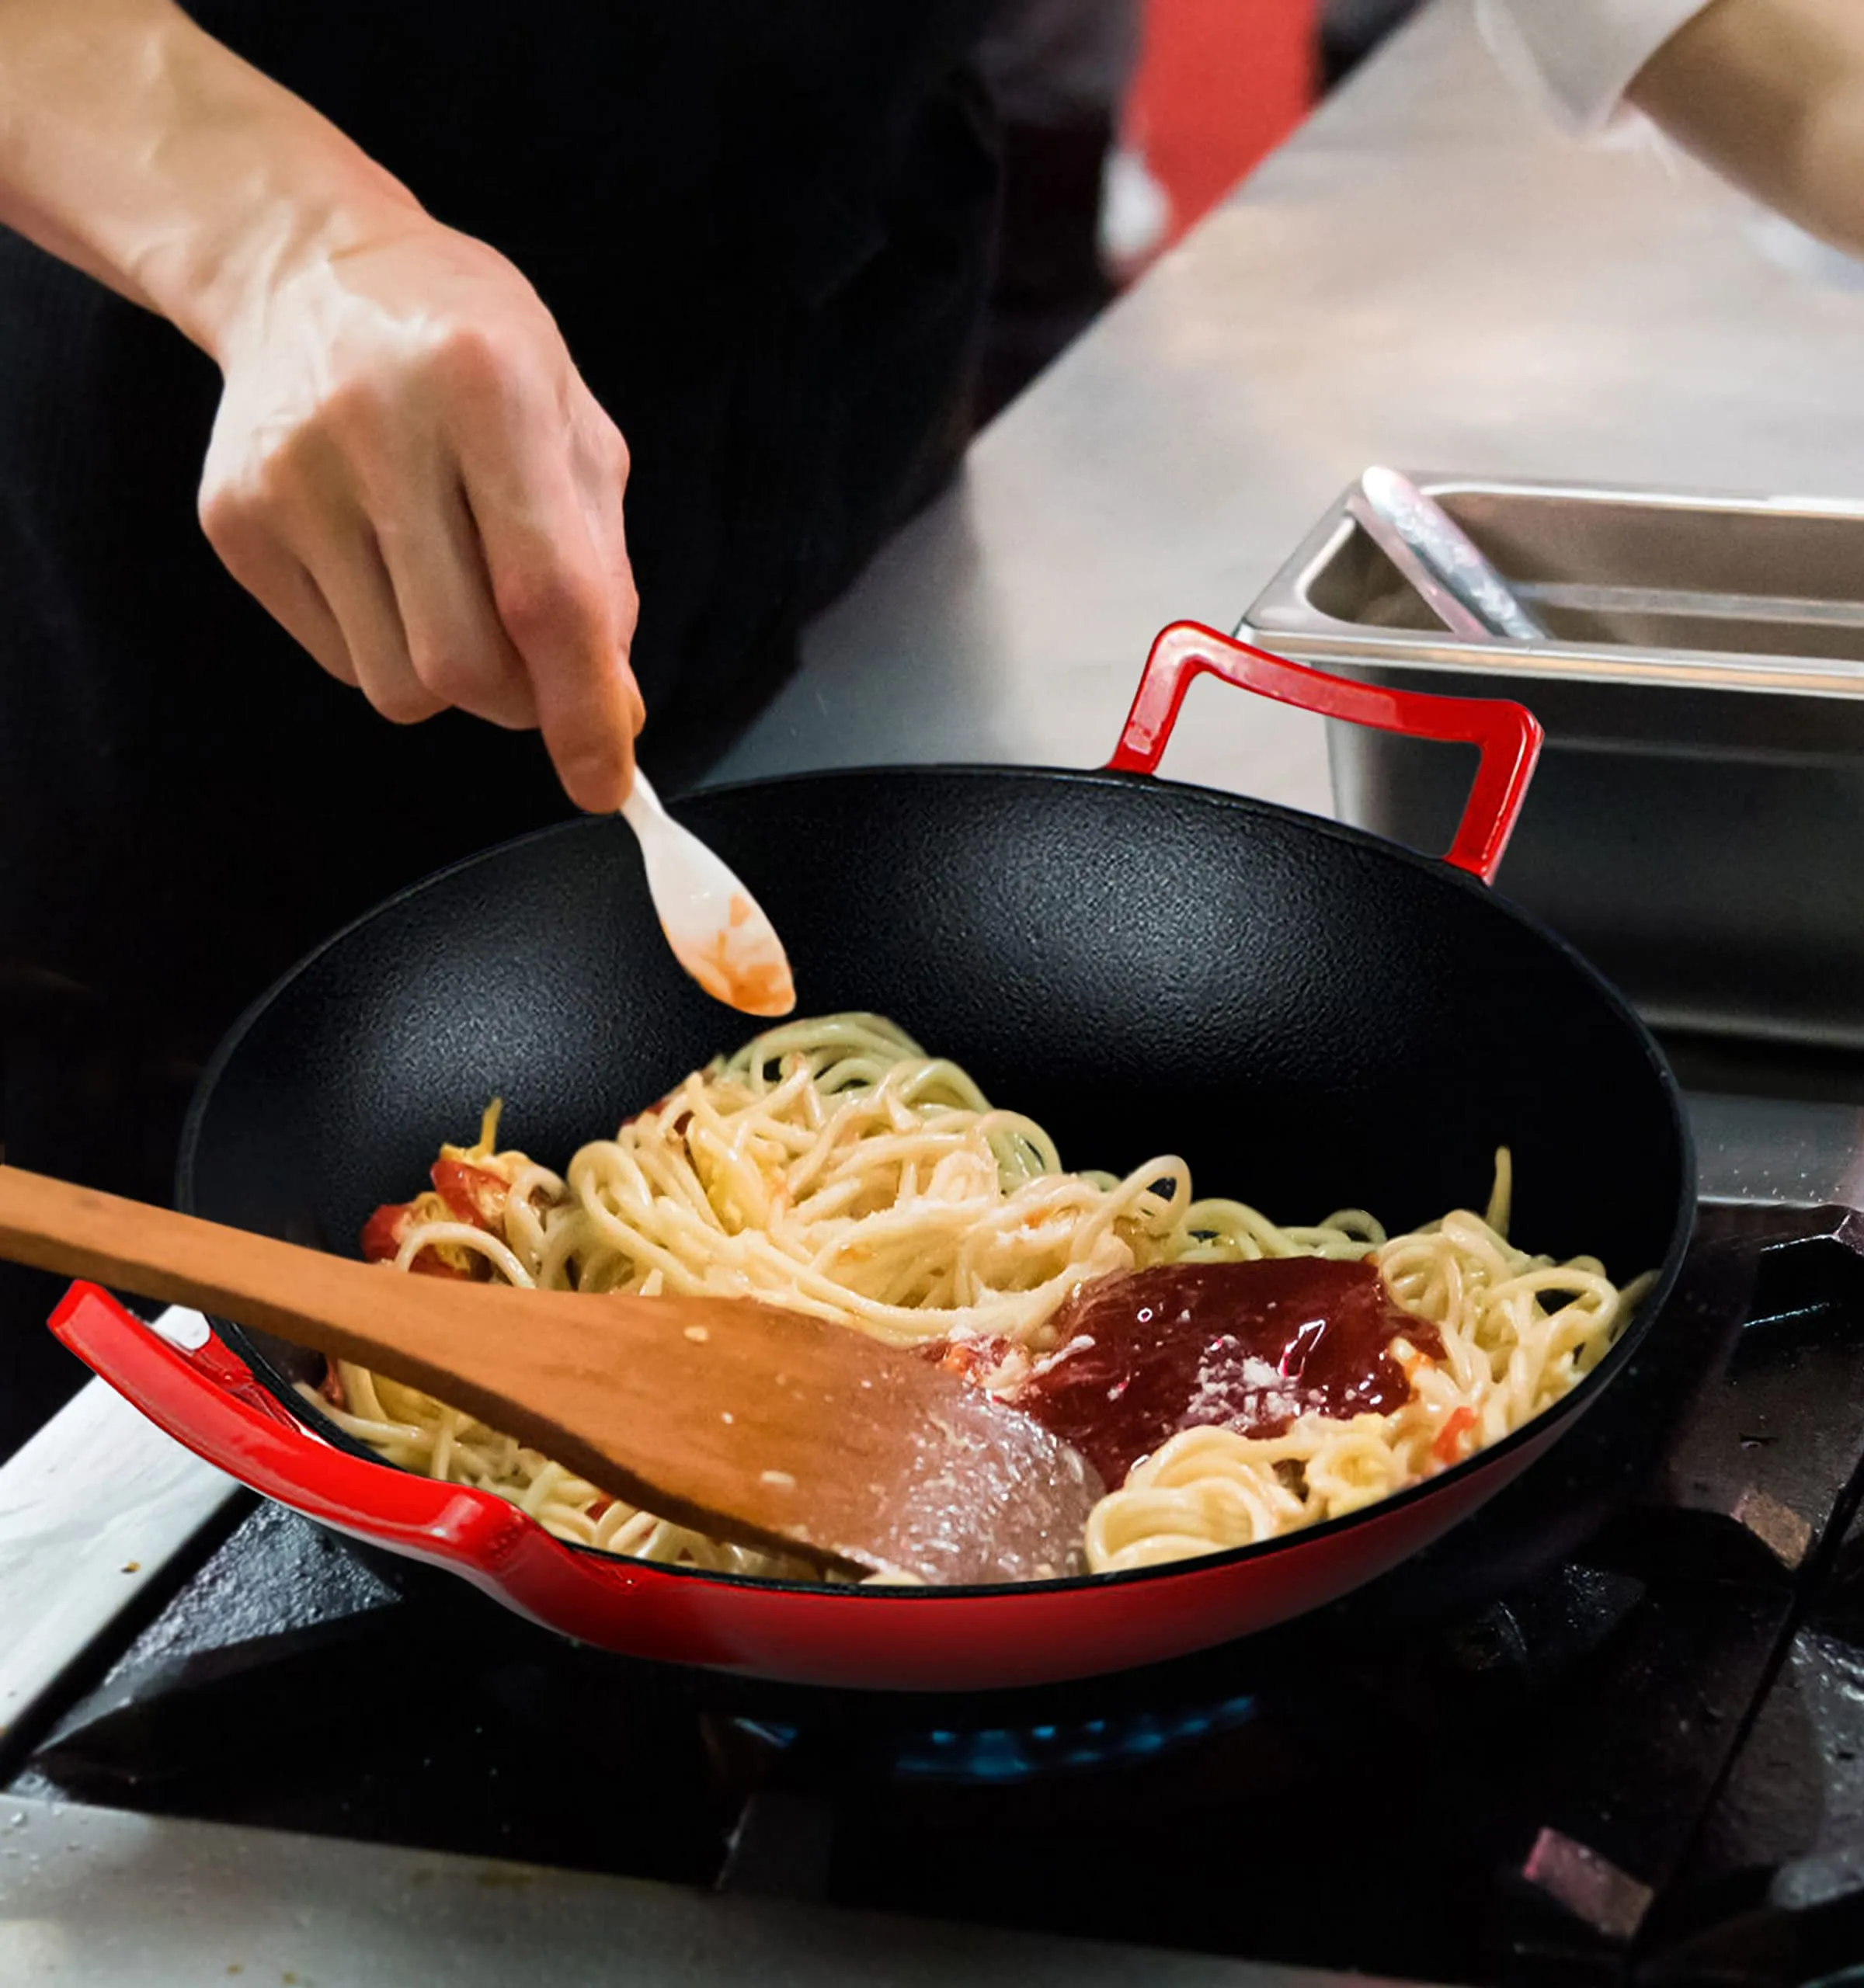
(209, 1401)
(1507, 734)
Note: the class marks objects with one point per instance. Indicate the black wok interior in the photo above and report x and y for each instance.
(1313, 1018)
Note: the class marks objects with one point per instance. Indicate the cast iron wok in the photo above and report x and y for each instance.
(1313, 1018)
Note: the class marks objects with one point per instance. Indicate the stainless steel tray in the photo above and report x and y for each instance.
(1697, 826)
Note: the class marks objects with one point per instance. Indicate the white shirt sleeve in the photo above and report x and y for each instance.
(1579, 57)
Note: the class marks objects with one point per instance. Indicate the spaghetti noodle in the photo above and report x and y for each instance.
(834, 1167)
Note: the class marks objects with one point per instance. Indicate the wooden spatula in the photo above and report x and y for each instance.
(742, 1420)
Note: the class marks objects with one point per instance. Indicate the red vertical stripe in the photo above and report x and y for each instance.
(1221, 83)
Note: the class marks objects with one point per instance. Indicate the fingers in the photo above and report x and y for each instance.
(522, 620)
(558, 572)
(265, 565)
(406, 577)
(553, 598)
(395, 602)
(320, 574)
(348, 566)
(601, 464)
(456, 645)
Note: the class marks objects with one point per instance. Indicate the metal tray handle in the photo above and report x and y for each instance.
(1507, 734)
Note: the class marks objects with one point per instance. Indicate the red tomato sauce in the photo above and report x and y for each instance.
(1247, 1347)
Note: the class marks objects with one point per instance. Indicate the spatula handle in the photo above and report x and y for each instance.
(178, 1259)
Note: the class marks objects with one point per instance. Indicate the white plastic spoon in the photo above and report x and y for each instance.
(712, 922)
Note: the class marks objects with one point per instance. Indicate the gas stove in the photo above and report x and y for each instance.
(1610, 1730)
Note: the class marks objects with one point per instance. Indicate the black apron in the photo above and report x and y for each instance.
(763, 227)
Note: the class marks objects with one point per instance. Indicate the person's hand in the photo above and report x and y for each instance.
(408, 473)
(405, 469)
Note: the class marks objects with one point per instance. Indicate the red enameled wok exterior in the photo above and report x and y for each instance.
(1378, 955)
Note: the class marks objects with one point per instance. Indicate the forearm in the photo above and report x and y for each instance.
(135, 146)
(1770, 94)
(405, 467)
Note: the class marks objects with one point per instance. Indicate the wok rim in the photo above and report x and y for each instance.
(1546, 1425)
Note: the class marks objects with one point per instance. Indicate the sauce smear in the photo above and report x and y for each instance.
(752, 975)
(1247, 1347)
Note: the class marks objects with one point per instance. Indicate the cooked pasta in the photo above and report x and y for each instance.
(832, 1165)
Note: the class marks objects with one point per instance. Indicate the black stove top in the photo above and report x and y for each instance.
(1612, 1730)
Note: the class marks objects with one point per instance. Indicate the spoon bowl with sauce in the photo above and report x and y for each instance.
(713, 925)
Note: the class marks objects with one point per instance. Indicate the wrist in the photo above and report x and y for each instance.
(265, 215)
(172, 169)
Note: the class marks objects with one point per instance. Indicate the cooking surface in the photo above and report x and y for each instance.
(1591, 1738)
(1657, 1734)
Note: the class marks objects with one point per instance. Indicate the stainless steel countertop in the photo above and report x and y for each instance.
(91, 1896)
(1428, 276)
(1425, 276)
